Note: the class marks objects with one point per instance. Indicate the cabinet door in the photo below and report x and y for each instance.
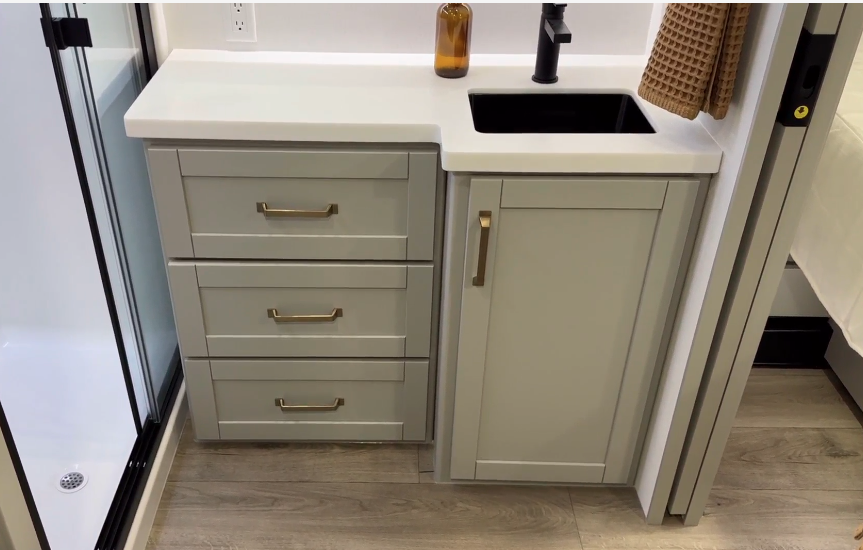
(558, 344)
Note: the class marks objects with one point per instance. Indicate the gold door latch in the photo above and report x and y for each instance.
(484, 231)
(273, 314)
(284, 213)
(337, 402)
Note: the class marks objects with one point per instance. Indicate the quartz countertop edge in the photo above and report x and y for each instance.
(397, 98)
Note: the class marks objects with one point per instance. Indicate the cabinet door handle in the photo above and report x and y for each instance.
(484, 230)
(273, 314)
(337, 402)
(282, 213)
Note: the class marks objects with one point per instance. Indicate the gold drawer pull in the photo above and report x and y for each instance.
(337, 402)
(273, 314)
(282, 213)
(484, 230)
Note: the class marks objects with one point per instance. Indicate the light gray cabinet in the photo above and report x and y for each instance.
(302, 280)
(566, 293)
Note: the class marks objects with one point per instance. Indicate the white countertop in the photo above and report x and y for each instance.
(277, 96)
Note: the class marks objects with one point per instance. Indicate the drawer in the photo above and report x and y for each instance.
(330, 218)
(303, 310)
(295, 204)
(351, 400)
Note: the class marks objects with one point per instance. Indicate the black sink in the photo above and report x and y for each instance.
(552, 113)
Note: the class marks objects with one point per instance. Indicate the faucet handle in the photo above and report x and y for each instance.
(553, 11)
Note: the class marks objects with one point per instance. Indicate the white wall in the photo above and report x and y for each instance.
(404, 28)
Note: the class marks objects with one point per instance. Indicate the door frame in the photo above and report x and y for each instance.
(784, 185)
(744, 136)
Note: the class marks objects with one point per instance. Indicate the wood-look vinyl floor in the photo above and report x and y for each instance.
(791, 478)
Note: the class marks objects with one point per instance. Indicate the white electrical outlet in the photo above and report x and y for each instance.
(241, 22)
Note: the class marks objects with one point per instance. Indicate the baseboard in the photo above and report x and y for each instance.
(149, 504)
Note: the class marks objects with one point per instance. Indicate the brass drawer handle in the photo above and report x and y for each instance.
(484, 230)
(337, 402)
(273, 314)
(282, 213)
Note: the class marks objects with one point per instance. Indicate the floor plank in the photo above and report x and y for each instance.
(427, 477)
(792, 458)
(276, 516)
(735, 520)
(293, 462)
(785, 401)
(426, 458)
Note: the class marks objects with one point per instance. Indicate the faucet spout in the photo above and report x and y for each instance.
(552, 33)
(557, 31)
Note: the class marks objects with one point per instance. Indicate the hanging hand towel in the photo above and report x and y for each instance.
(694, 60)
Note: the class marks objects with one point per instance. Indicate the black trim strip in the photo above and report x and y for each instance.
(22, 481)
(148, 43)
(118, 522)
(91, 218)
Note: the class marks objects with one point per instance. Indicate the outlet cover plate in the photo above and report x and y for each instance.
(241, 22)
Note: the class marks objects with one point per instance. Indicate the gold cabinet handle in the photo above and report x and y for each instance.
(337, 402)
(484, 230)
(282, 213)
(273, 314)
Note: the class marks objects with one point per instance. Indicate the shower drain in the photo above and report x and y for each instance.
(71, 482)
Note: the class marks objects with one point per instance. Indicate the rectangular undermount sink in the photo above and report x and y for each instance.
(557, 113)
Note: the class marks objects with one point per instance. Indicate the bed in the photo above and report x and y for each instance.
(828, 246)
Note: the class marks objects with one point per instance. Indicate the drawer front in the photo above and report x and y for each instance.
(295, 204)
(304, 310)
(350, 400)
(329, 219)
(306, 322)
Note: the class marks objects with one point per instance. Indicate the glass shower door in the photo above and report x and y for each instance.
(62, 384)
(104, 81)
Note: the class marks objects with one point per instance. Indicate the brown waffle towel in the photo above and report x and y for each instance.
(694, 60)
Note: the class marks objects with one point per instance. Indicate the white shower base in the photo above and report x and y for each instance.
(67, 407)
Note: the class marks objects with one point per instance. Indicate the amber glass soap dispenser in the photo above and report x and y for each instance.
(452, 41)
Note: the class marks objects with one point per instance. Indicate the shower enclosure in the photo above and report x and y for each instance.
(88, 348)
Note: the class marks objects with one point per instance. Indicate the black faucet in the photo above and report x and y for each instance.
(552, 33)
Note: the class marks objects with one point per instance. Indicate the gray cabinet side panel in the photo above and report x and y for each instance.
(421, 205)
(170, 199)
(665, 255)
(265, 163)
(458, 189)
(415, 395)
(418, 311)
(475, 310)
(187, 309)
(641, 194)
(202, 400)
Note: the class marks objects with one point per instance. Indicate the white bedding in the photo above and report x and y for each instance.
(828, 246)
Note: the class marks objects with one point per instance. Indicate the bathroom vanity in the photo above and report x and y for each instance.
(351, 260)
